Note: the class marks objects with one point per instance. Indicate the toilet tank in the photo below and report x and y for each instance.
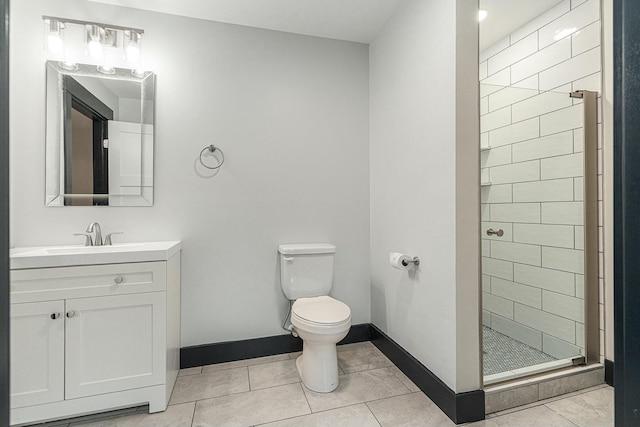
(306, 269)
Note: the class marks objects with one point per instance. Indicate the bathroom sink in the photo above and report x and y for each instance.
(63, 256)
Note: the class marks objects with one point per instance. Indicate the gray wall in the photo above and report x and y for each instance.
(290, 113)
(424, 186)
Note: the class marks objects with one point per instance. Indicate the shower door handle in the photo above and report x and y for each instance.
(491, 232)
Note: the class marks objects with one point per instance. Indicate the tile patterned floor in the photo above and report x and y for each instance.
(503, 353)
(373, 392)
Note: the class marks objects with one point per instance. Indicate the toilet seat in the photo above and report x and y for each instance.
(321, 315)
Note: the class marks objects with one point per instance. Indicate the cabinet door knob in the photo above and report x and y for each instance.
(118, 280)
(71, 314)
(55, 316)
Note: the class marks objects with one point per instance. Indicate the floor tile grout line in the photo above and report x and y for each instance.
(193, 416)
(372, 413)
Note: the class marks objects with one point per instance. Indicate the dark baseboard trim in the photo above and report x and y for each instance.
(608, 372)
(461, 407)
(208, 354)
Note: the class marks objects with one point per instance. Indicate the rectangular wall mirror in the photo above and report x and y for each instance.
(99, 137)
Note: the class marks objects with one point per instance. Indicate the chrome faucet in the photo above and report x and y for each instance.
(97, 241)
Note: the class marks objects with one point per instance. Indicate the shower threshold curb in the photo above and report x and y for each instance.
(507, 395)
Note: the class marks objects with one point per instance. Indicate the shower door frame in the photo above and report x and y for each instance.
(591, 247)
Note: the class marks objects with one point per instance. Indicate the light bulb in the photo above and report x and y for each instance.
(95, 49)
(55, 44)
(132, 53)
(482, 14)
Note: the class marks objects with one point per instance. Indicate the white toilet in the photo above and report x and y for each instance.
(306, 276)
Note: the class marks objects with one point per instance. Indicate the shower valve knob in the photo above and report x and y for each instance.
(491, 232)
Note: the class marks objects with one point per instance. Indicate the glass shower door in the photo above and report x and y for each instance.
(533, 229)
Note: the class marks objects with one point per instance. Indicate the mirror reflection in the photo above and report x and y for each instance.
(99, 137)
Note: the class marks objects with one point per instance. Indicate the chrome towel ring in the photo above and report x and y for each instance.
(212, 148)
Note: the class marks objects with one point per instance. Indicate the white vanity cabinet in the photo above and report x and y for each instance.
(93, 338)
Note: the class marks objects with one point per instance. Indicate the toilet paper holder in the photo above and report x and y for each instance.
(415, 261)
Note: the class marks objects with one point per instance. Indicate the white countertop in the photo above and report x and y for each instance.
(67, 256)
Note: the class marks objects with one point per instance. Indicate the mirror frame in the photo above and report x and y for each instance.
(55, 117)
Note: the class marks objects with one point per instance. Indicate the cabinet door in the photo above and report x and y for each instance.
(37, 353)
(114, 343)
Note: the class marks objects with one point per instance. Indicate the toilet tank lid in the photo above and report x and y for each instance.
(306, 248)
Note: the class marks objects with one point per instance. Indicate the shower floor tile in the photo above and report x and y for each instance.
(502, 353)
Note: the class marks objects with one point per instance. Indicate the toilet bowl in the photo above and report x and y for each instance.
(321, 322)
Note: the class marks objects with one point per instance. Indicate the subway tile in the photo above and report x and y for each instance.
(501, 78)
(563, 305)
(495, 48)
(580, 335)
(553, 280)
(495, 119)
(485, 212)
(563, 259)
(578, 140)
(547, 146)
(486, 283)
(542, 20)
(548, 323)
(517, 331)
(543, 103)
(556, 190)
(541, 60)
(484, 139)
(495, 157)
(578, 189)
(573, 69)
(496, 194)
(558, 348)
(579, 286)
(517, 292)
(516, 132)
(528, 83)
(517, 172)
(570, 165)
(579, 237)
(486, 318)
(516, 212)
(482, 71)
(516, 252)
(591, 82)
(514, 53)
(495, 304)
(486, 247)
(484, 175)
(579, 18)
(484, 105)
(544, 234)
(486, 90)
(586, 39)
(570, 213)
(497, 268)
(561, 120)
(508, 96)
(506, 227)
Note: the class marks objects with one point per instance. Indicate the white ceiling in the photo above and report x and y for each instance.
(505, 16)
(352, 20)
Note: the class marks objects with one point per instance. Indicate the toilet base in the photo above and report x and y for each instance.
(318, 367)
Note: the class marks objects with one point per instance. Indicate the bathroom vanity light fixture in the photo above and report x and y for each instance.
(103, 45)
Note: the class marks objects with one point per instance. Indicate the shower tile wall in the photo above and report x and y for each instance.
(532, 177)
